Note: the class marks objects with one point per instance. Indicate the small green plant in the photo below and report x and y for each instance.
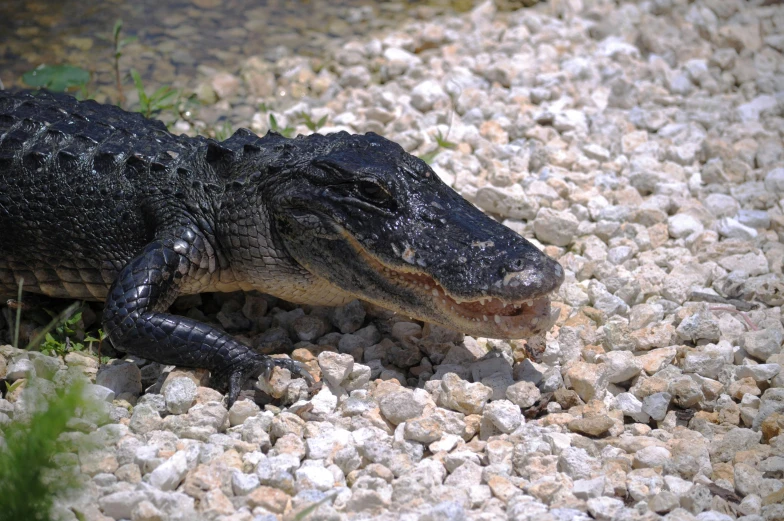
(264, 107)
(61, 335)
(312, 125)
(58, 78)
(57, 343)
(63, 341)
(164, 98)
(30, 478)
(119, 43)
(224, 131)
(90, 339)
(9, 388)
(66, 334)
(430, 156)
(54, 346)
(442, 143)
(283, 131)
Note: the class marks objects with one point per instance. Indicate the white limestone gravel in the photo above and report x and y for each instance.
(640, 144)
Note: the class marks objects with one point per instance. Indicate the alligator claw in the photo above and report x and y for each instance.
(295, 368)
(266, 373)
(262, 367)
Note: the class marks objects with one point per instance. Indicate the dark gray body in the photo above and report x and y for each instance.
(78, 196)
(101, 204)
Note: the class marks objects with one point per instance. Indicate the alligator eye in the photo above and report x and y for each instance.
(372, 191)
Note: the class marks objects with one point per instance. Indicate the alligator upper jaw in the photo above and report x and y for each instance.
(484, 316)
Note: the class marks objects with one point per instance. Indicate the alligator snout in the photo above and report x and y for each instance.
(543, 276)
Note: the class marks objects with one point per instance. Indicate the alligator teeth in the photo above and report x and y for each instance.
(497, 319)
(484, 317)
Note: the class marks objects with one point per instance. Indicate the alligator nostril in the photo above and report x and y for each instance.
(515, 265)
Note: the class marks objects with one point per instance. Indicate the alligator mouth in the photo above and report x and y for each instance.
(511, 318)
(484, 316)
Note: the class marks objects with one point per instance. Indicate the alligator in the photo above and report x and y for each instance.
(101, 204)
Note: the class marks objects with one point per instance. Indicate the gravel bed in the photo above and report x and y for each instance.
(641, 145)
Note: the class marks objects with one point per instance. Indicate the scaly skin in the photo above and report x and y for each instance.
(101, 204)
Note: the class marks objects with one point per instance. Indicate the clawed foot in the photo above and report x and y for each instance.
(260, 365)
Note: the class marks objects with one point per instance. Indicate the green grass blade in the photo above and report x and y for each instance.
(18, 313)
(117, 28)
(312, 508)
(137, 82)
(162, 93)
(125, 41)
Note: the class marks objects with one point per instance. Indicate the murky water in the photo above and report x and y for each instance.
(175, 37)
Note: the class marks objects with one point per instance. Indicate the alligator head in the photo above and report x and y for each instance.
(360, 213)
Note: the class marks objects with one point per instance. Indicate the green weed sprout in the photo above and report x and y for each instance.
(312, 125)
(224, 131)
(286, 131)
(164, 98)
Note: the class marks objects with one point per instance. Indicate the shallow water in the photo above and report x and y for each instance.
(175, 37)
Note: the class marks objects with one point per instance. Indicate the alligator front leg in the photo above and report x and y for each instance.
(136, 321)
